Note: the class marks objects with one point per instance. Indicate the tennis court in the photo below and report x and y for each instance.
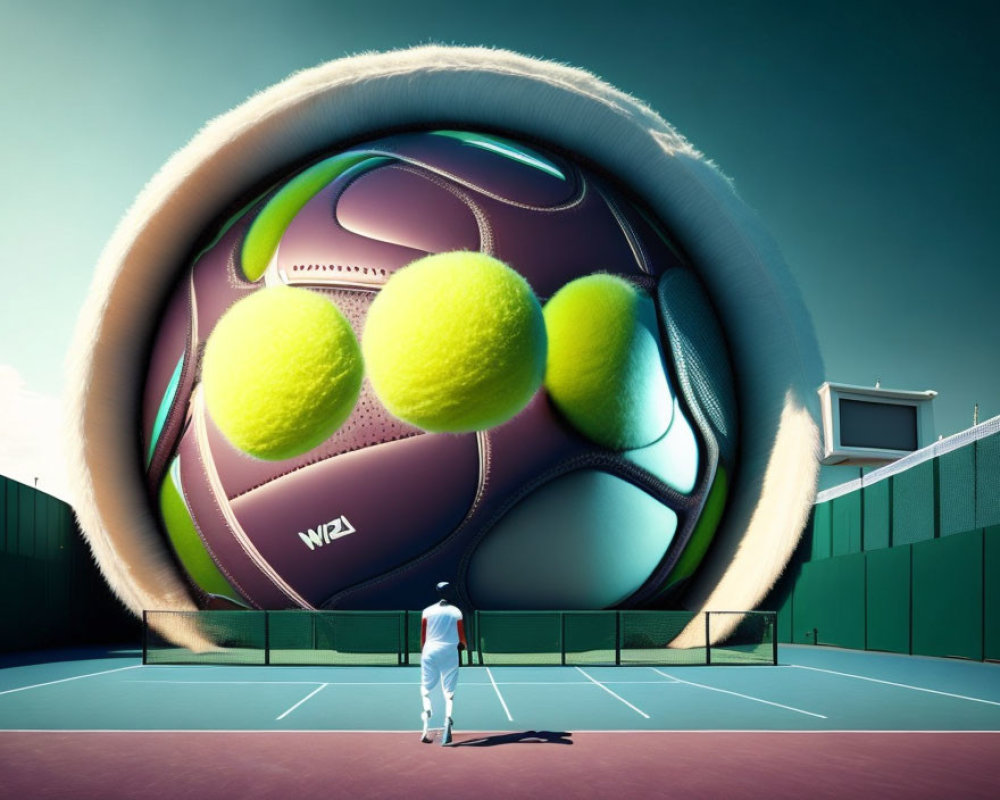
(824, 722)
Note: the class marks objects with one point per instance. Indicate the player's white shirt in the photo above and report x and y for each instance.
(442, 625)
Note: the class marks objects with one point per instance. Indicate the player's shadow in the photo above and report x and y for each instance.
(524, 737)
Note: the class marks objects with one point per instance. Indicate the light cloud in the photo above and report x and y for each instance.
(31, 438)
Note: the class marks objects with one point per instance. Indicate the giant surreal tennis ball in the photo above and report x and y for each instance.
(454, 461)
(542, 351)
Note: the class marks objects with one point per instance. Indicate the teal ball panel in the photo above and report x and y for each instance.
(674, 458)
(586, 540)
(700, 355)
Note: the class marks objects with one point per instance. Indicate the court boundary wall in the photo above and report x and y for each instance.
(905, 558)
(53, 591)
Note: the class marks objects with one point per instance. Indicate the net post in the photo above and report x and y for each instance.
(479, 637)
(267, 639)
(400, 639)
(405, 660)
(562, 638)
(145, 637)
(774, 638)
(470, 639)
(708, 639)
(618, 638)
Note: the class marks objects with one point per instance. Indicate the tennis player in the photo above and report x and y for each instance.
(442, 637)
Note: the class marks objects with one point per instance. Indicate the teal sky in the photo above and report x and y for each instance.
(864, 133)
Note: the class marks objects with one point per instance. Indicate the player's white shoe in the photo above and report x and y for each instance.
(446, 733)
(425, 737)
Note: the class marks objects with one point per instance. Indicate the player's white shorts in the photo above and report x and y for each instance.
(439, 664)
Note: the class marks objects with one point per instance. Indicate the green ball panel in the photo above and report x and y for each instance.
(186, 541)
(704, 532)
(270, 225)
(586, 540)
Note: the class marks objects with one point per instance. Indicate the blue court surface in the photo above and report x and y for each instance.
(812, 689)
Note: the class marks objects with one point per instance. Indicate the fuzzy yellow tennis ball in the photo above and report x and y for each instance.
(455, 342)
(282, 371)
(605, 370)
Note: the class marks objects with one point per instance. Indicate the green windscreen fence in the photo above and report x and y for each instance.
(28, 536)
(372, 638)
(940, 597)
(887, 600)
(829, 602)
(928, 582)
(988, 481)
(991, 593)
(913, 504)
(876, 518)
(957, 490)
(845, 531)
(785, 618)
(821, 523)
(948, 596)
(52, 590)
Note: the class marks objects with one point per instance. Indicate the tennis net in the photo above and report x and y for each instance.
(392, 638)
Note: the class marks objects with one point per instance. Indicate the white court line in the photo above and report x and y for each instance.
(901, 685)
(618, 696)
(579, 683)
(464, 684)
(409, 731)
(313, 693)
(410, 684)
(64, 680)
(239, 683)
(497, 690)
(737, 694)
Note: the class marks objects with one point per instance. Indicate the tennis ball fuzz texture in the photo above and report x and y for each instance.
(282, 371)
(455, 342)
(605, 371)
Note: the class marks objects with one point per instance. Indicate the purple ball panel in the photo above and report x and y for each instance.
(316, 249)
(224, 548)
(404, 206)
(400, 498)
(551, 247)
(501, 176)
